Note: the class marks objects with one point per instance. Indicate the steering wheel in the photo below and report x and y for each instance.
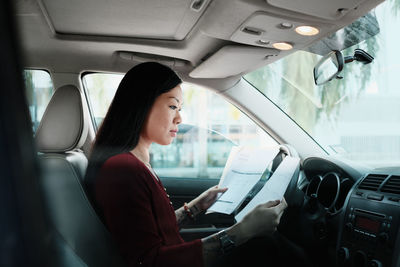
(297, 224)
(293, 195)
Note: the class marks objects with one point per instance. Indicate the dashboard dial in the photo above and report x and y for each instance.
(328, 190)
(345, 185)
(313, 185)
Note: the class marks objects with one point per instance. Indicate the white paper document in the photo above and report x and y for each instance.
(243, 170)
(275, 187)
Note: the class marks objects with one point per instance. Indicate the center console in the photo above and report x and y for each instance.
(369, 233)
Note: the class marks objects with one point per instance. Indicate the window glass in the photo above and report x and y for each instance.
(210, 127)
(356, 116)
(39, 89)
(101, 88)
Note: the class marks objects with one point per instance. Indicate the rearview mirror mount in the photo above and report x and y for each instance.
(360, 56)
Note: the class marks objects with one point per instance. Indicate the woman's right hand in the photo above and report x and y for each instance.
(263, 219)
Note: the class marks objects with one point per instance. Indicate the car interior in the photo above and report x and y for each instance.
(317, 79)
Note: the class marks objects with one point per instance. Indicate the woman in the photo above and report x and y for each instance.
(130, 197)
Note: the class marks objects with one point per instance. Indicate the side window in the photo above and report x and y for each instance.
(39, 89)
(210, 127)
(100, 89)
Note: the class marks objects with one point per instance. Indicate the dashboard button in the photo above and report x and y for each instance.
(359, 194)
(349, 226)
(375, 197)
(383, 237)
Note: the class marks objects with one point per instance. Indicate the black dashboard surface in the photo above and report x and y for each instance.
(331, 188)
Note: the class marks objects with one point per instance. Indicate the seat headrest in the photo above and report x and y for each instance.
(63, 127)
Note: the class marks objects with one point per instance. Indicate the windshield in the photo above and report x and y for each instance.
(358, 116)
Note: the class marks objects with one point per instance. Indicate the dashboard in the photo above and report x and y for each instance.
(351, 212)
(328, 182)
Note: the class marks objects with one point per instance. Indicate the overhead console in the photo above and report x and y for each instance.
(279, 27)
(369, 233)
(264, 29)
(330, 10)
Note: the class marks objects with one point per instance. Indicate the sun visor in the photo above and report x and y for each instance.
(326, 9)
(233, 60)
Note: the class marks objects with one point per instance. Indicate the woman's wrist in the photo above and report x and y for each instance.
(188, 211)
(238, 233)
(194, 208)
(214, 246)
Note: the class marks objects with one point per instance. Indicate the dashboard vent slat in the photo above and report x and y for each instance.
(392, 185)
(372, 182)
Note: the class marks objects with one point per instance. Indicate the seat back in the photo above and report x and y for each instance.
(78, 229)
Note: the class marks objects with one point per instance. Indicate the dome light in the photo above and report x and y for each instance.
(282, 46)
(307, 30)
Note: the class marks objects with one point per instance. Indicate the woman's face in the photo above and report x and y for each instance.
(162, 122)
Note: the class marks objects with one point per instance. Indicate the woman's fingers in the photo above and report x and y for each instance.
(281, 207)
(221, 190)
(208, 197)
(216, 188)
(215, 191)
(271, 203)
(277, 207)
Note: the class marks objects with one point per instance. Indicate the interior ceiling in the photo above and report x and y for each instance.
(103, 35)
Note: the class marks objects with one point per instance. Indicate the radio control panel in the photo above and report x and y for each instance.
(369, 233)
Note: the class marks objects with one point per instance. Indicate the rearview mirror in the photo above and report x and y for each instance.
(328, 67)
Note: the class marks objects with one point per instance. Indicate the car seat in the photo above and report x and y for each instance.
(80, 237)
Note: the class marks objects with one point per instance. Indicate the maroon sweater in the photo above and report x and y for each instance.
(140, 217)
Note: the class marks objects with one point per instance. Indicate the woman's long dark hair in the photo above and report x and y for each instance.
(120, 129)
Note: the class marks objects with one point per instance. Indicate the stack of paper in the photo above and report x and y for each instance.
(243, 170)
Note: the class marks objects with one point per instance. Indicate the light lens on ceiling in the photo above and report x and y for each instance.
(282, 46)
(307, 30)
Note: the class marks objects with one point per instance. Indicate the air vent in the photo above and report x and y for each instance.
(372, 182)
(392, 185)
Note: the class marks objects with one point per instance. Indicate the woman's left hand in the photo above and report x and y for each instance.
(207, 198)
